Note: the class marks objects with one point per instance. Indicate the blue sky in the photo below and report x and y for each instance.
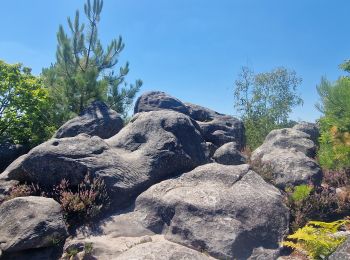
(193, 49)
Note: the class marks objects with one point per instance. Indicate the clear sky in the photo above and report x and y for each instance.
(193, 49)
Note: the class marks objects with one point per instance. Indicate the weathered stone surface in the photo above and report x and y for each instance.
(30, 222)
(216, 128)
(229, 212)
(310, 128)
(157, 100)
(229, 154)
(288, 154)
(10, 152)
(107, 247)
(152, 147)
(342, 252)
(97, 119)
(287, 139)
(291, 168)
(162, 250)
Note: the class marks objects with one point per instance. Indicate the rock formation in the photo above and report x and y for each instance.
(178, 182)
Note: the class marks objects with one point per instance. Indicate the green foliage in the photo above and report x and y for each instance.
(317, 239)
(84, 70)
(334, 152)
(24, 103)
(301, 193)
(265, 101)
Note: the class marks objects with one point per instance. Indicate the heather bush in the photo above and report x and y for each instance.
(322, 203)
(84, 202)
(23, 190)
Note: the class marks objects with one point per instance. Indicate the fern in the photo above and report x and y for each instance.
(316, 238)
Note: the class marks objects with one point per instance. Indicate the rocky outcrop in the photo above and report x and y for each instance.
(288, 154)
(97, 119)
(229, 154)
(152, 147)
(228, 211)
(157, 100)
(10, 152)
(107, 247)
(310, 129)
(215, 127)
(30, 222)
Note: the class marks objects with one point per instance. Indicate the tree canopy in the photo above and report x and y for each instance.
(84, 70)
(265, 100)
(24, 103)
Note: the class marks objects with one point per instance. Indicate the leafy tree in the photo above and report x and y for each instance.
(23, 106)
(84, 70)
(265, 100)
(334, 152)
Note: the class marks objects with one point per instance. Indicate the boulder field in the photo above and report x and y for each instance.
(180, 186)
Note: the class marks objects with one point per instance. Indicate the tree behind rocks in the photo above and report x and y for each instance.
(265, 101)
(84, 70)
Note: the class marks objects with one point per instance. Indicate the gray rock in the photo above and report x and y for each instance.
(157, 100)
(229, 154)
(309, 128)
(30, 222)
(288, 154)
(217, 128)
(342, 252)
(97, 119)
(10, 152)
(152, 147)
(287, 139)
(230, 212)
(164, 250)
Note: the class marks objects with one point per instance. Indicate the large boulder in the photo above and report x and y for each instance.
(230, 212)
(152, 147)
(229, 154)
(30, 222)
(97, 119)
(287, 154)
(132, 247)
(216, 128)
(10, 152)
(311, 129)
(157, 100)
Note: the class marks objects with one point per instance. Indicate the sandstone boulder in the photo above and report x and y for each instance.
(152, 147)
(309, 128)
(229, 154)
(97, 119)
(10, 152)
(230, 212)
(288, 155)
(157, 100)
(215, 127)
(30, 222)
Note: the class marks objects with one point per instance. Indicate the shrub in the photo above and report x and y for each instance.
(321, 204)
(317, 239)
(334, 152)
(84, 202)
(301, 193)
(23, 190)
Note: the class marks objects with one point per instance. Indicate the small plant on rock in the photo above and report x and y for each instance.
(84, 202)
(23, 190)
(317, 239)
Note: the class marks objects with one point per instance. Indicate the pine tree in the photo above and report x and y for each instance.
(84, 70)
